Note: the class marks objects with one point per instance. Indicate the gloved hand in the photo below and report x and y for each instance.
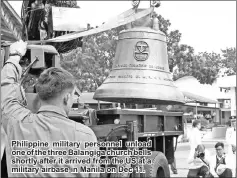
(18, 47)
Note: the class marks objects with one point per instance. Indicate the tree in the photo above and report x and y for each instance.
(173, 38)
(206, 67)
(92, 63)
(229, 61)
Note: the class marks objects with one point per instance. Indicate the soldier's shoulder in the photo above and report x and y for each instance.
(83, 128)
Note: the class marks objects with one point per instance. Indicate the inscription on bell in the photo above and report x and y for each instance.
(141, 52)
(139, 77)
(125, 76)
(117, 66)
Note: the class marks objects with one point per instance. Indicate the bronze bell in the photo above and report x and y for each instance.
(140, 72)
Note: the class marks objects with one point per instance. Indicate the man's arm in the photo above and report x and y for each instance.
(212, 167)
(10, 87)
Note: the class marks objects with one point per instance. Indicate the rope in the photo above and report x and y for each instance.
(125, 18)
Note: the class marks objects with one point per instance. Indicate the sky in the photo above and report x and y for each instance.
(205, 25)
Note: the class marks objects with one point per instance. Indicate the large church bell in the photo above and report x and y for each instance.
(140, 72)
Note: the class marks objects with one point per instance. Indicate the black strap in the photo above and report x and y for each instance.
(13, 65)
(218, 162)
(205, 163)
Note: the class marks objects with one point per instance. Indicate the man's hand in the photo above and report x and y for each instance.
(195, 154)
(18, 47)
(233, 148)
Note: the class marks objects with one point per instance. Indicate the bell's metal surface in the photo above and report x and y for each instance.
(140, 72)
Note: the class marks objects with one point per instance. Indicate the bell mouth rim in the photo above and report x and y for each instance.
(138, 100)
(149, 101)
(139, 94)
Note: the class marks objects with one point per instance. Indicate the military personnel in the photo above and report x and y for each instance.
(55, 88)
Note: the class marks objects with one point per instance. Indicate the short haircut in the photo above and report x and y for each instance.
(196, 122)
(54, 81)
(219, 144)
(200, 148)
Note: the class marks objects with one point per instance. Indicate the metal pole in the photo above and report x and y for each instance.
(215, 111)
(2, 59)
(235, 102)
(98, 105)
(196, 110)
(220, 117)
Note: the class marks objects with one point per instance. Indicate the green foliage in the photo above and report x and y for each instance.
(92, 63)
(229, 61)
(204, 66)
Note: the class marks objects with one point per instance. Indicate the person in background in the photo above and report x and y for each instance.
(173, 166)
(233, 135)
(232, 157)
(232, 154)
(195, 136)
(221, 164)
(230, 132)
(199, 163)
